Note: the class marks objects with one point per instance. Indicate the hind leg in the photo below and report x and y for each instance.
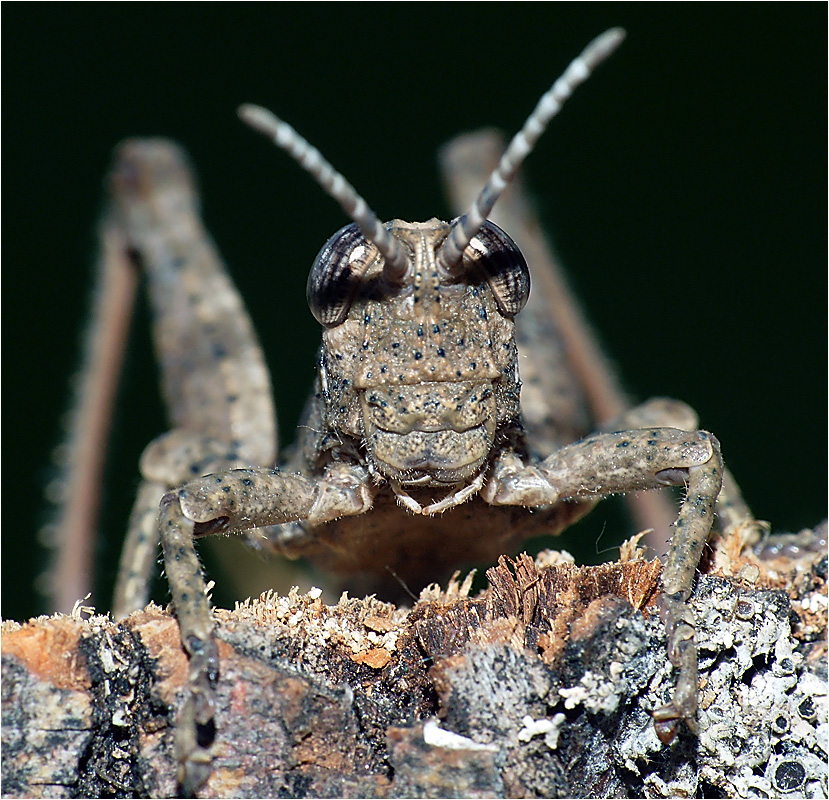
(215, 383)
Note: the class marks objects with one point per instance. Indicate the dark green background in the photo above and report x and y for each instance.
(684, 186)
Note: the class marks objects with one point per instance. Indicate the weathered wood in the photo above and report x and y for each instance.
(540, 686)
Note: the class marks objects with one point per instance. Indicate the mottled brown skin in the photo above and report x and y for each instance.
(423, 375)
(413, 456)
(421, 385)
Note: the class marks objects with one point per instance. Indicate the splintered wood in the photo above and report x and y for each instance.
(507, 693)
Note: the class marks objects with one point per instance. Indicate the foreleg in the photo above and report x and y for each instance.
(231, 502)
(663, 412)
(167, 462)
(612, 463)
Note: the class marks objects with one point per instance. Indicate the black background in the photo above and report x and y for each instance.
(683, 184)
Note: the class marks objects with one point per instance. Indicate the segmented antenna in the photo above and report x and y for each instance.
(334, 184)
(522, 144)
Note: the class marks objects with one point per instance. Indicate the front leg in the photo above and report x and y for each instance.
(230, 502)
(612, 463)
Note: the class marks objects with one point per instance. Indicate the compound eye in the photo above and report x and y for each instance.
(335, 275)
(497, 256)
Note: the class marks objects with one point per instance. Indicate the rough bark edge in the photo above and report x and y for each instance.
(540, 686)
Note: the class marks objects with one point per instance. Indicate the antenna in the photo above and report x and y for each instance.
(522, 144)
(334, 184)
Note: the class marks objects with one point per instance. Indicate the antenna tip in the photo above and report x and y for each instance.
(245, 110)
(258, 118)
(605, 43)
(602, 47)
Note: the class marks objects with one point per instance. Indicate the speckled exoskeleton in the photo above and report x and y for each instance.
(416, 451)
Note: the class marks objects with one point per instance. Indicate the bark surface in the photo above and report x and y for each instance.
(540, 686)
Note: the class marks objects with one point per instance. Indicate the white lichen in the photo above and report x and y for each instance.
(435, 736)
(549, 728)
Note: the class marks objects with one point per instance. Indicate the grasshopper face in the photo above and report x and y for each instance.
(422, 370)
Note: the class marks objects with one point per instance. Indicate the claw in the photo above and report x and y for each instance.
(195, 733)
(682, 653)
(194, 772)
(666, 730)
(668, 718)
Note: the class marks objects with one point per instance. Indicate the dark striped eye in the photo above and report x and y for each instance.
(496, 255)
(336, 274)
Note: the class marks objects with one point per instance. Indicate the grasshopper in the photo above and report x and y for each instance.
(416, 451)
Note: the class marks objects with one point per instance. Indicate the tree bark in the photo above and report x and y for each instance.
(540, 686)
